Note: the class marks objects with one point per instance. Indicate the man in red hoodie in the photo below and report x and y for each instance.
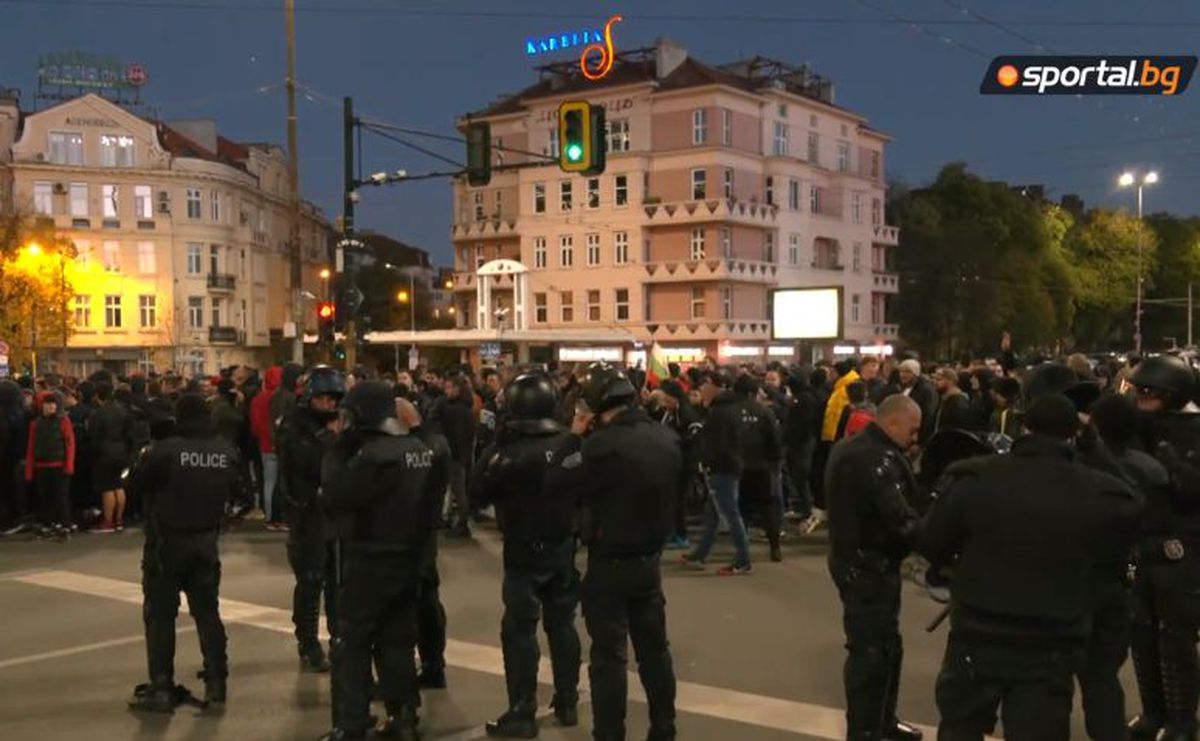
(261, 428)
(50, 463)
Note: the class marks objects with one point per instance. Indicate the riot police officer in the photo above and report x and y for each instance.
(1166, 608)
(303, 436)
(539, 525)
(869, 489)
(624, 468)
(186, 481)
(375, 480)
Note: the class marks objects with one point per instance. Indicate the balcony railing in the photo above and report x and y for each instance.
(221, 282)
(827, 265)
(888, 235)
(223, 335)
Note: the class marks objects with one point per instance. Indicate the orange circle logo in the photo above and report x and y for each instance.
(1007, 75)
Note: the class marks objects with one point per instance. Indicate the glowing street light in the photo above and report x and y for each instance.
(402, 297)
(33, 249)
(324, 274)
(1126, 180)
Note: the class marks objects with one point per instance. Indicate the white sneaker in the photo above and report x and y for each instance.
(255, 514)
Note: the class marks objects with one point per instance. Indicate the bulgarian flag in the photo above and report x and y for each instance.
(656, 371)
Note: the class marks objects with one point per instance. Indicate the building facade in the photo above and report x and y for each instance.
(722, 183)
(181, 235)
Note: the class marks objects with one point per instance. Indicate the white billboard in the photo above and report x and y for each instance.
(806, 313)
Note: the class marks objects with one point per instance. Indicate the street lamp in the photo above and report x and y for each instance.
(402, 297)
(324, 276)
(1126, 180)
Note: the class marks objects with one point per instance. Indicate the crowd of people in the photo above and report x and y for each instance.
(884, 453)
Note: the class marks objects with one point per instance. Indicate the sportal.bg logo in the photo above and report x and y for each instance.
(1099, 75)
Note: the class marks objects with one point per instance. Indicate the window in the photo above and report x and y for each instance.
(112, 257)
(193, 258)
(593, 193)
(567, 310)
(146, 258)
(697, 245)
(699, 126)
(769, 190)
(43, 198)
(148, 311)
(110, 201)
(874, 164)
(726, 241)
(66, 148)
(539, 252)
(83, 253)
(726, 302)
(618, 135)
(83, 311)
(566, 251)
(877, 259)
(780, 142)
(539, 198)
(215, 201)
(79, 200)
(793, 253)
(593, 249)
(216, 313)
(552, 149)
(621, 304)
(727, 182)
(812, 120)
(769, 246)
(843, 157)
(539, 308)
(143, 208)
(794, 194)
(697, 303)
(726, 127)
(193, 204)
(564, 195)
(480, 258)
(112, 311)
(814, 147)
(621, 248)
(856, 257)
(854, 303)
(814, 199)
(214, 259)
(856, 208)
(477, 199)
(876, 211)
(699, 184)
(620, 190)
(593, 306)
(195, 312)
(261, 218)
(116, 150)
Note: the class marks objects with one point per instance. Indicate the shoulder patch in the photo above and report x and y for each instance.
(572, 461)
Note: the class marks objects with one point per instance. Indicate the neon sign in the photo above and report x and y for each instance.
(593, 41)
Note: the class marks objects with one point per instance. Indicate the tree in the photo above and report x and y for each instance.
(1178, 265)
(36, 266)
(1104, 257)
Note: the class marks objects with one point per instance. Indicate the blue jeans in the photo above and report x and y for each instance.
(270, 476)
(724, 500)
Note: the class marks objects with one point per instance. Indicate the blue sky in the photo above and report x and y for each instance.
(912, 67)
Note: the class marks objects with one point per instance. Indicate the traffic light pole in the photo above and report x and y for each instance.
(349, 277)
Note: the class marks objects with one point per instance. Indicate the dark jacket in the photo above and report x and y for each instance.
(761, 440)
(926, 397)
(1173, 438)
(721, 444)
(954, 411)
(186, 480)
(439, 475)
(282, 400)
(300, 444)
(458, 425)
(869, 491)
(802, 419)
(229, 422)
(1034, 537)
(626, 474)
(110, 434)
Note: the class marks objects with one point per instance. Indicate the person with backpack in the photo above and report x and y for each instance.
(50, 462)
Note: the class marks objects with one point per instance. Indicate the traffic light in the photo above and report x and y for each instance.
(581, 145)
(339, 352)
(325, 317)
(479, 153)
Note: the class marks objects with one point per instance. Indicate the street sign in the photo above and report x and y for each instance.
(414, 358)
(352, 298)
(490, 351)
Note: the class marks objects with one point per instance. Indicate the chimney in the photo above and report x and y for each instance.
(10, 120)
(668, 55)
(202, 131)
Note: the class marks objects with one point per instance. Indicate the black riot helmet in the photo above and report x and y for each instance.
(371, 406)
(531, 396)
(606, 387)
(1048, 379)
(1168, 376)
(324, 380)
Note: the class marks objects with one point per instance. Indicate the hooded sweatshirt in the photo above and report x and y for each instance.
(260, 410)
(837, 402)
(283, 399)
(51, 440)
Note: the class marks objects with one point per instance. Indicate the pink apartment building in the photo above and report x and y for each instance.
(722, 183)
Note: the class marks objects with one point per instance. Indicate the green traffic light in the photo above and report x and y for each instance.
(574, 152)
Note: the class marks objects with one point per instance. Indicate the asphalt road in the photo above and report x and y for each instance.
(757, 657)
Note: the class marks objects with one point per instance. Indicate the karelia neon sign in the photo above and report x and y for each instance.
(591, 39)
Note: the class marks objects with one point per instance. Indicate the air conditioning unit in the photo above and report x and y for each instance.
(164, 207)
(60, 189)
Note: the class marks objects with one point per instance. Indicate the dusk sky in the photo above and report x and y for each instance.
(912, 67)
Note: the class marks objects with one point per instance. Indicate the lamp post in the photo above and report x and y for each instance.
(324, 276)
(1126, 180)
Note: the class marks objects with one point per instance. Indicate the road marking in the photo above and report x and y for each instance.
(801, 718)
(33, 658)
(11, 575)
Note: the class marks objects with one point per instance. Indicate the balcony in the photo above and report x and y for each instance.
(223, 335)
(488, 228)
(886, 282)
(717, 268)
(885, 331)
(467, 282)
(221, 282)
(886, 235)
(827, 265)
(749, 213)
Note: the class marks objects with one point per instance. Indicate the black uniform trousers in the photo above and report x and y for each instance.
(1105, 654)
(871, 620)
(309, 555)
(376, 610)
(431, 615)
(1030, 685)
(623, 601)
(540, 581)
(174, 562)
(53, 495)
(1166, 617)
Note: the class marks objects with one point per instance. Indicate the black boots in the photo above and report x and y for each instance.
(214, 691)
(312, 659)
(156, 697)
(432, 678)
(565, 713)
(1181, 685)
(402, 726)
(902, 732)
(520, 722)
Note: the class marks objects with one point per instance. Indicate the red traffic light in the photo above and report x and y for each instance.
(325, 310)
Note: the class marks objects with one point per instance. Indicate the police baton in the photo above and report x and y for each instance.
(937, 621)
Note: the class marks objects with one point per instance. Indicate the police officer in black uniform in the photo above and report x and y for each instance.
(185, 481)
(1166, 591)
(624, 468)
(869, 490)
(375, 480)
(303, 436)
(539, 526)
